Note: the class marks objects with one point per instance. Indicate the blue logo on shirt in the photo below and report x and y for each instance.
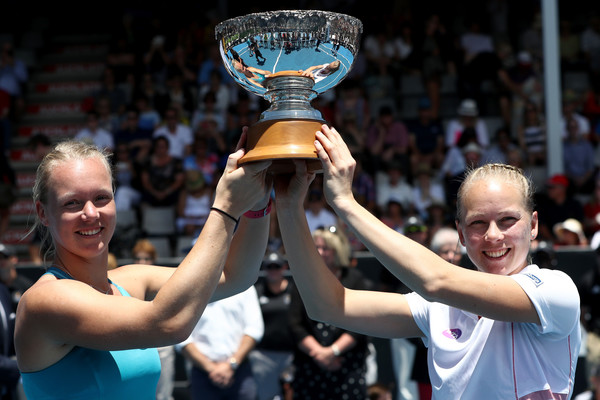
(535, 279)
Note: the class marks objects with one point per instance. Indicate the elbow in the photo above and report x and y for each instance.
(432, 289)
(315, 313)
(175, 330)
(319, 315)
(181, 335)
(323, 311)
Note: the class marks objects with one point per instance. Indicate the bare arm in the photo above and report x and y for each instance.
(91, 319)
(493, 296)
(324, 297)
(245, 255)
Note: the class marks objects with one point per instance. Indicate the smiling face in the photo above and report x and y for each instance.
(496, 227)
(80, 210)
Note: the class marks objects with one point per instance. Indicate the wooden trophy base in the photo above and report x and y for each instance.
(283, 141)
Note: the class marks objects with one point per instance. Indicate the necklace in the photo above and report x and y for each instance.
(63, 269)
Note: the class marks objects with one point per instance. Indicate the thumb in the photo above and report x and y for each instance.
(233, 159)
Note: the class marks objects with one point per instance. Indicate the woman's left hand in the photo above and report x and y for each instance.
(338, 165)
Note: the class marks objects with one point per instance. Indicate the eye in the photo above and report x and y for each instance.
(70, 203)
(103, 198)
(508, 220)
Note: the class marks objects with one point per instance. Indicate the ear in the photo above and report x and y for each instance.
(461, 237)
(534, 225)
(41, 213)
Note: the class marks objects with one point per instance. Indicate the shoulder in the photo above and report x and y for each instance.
(47, 299)
(542, 276)
(553, 294)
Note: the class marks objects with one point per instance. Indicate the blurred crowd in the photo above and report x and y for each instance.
(170, 113)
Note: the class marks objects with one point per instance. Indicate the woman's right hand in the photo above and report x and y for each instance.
(241, 187)
(290, 190)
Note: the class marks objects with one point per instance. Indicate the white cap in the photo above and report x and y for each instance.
(571, 225)
(468, 108)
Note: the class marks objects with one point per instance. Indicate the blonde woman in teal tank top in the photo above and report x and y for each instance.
(83, 332)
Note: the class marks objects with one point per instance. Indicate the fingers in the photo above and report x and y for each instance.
(242, 142)
(232, 160)
(302, 170)
(256, 167)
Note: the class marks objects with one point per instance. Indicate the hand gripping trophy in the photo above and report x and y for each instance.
(288, 57)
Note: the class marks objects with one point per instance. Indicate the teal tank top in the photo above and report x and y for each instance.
(96, 375)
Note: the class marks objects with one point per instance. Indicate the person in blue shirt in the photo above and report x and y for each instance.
(85, 332)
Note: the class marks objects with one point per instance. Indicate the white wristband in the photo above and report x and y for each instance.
(336, 350)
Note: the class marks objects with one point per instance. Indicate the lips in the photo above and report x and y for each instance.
(496, 253)
(90, 232)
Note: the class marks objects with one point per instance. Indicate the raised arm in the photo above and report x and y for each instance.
(246, 251)
(494, 296)
(325, 299)
(90, 319)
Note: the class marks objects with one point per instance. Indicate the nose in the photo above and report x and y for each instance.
(493, 232)
(90, 211)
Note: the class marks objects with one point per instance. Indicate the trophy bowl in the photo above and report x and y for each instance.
(288, 57)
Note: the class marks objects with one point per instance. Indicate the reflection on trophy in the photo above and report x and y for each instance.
(288, 57)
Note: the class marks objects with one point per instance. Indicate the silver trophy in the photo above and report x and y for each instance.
(288, 57)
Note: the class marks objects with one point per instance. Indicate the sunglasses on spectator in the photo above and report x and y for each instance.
(331, 228)
(273, 266)
(415, 229)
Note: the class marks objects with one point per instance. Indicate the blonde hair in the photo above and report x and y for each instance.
(506, 173)
(64, 151)
(335, 239)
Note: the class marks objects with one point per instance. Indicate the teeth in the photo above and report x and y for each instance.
(496, 254)
(90, 232)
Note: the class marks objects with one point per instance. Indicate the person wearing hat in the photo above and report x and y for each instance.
(273, 354)
(556, 205)
(570, 233)
(468, 117)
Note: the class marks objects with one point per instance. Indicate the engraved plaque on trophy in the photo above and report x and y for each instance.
(288, 57)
